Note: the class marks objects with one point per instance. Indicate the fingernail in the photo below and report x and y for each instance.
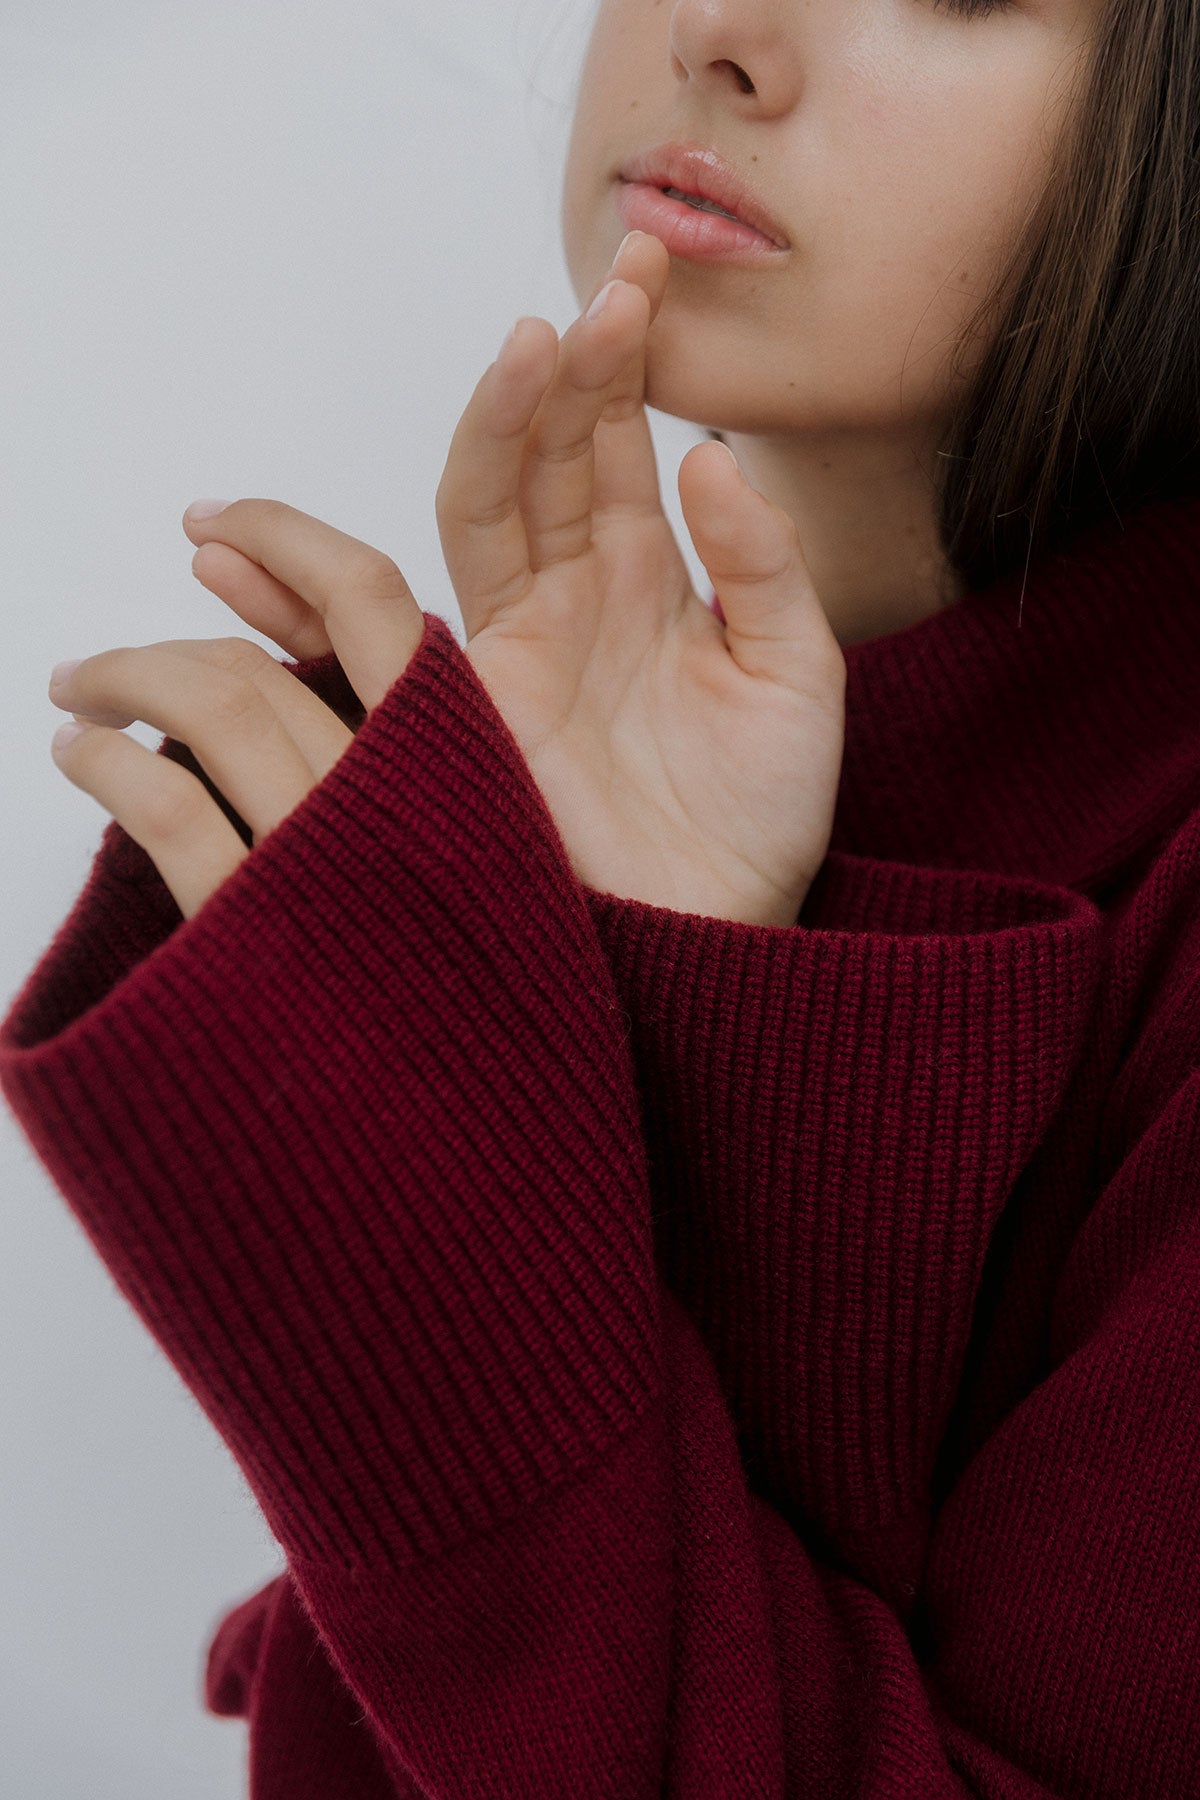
(62, 670)
(601, 301)
(729, 453)
(205, 509)
(66, 734)
(508, 340)
(622, 244)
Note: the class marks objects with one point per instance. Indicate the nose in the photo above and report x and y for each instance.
(739, 51)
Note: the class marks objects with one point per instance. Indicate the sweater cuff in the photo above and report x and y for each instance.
(922, 943)
(838, 1111)
(359, 1140)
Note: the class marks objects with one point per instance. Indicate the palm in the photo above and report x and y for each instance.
(685, 763)
(671, 771)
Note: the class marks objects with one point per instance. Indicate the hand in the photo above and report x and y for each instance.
(685, 763)
(263, 736)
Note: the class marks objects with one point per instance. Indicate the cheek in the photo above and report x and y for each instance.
(920, 227)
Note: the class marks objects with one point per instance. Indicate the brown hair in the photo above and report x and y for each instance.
(1087, 400)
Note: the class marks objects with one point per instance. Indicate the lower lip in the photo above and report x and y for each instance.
(699, 236)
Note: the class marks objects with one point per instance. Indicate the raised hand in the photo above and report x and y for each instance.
(686, 763)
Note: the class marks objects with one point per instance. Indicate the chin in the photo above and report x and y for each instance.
(673, 387)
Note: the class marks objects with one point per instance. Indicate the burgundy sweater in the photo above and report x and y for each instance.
(681, 1357)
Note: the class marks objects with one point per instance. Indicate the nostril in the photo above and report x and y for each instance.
(743, 80)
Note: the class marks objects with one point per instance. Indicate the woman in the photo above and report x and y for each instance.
(666, 1140)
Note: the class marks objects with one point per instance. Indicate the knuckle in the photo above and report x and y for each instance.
(237, 700)
(120, 661)
(272, 512)
(621, 408)
(453, 506)
(172, 807)
(240, 656)
(486, 518)
(766, 574)
(560, 453)
(375, 576)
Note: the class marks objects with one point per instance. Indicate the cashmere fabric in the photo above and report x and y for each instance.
(675, 1356)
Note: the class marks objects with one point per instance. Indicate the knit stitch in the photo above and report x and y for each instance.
(676, 1356)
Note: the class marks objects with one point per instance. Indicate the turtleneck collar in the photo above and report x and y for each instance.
(1054, 734)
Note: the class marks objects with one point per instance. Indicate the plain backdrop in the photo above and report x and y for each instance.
(264, 249)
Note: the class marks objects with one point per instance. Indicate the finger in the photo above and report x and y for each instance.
(362, 599)
(509, 506)
(626, 471)
(557, 486)
(261, 600)
(317, 732)
(219, 710)
(775, 625)
(162, 806)
(498, 523)
(590, 445)
(477, 501)
(315, 729)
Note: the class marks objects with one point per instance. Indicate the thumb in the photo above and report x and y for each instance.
(774, 623)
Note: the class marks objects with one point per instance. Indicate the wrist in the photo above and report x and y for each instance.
(781, 912)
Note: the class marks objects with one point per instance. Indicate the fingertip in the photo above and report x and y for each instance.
(722, 445)
(66, 735)
(514, 334)
(705, 499)
(717, 444)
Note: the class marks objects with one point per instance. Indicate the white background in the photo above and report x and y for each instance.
(261, 249)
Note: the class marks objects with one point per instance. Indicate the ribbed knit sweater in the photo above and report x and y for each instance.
(681, 1357)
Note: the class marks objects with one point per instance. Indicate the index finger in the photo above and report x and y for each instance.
(626, 466)
(366, 606)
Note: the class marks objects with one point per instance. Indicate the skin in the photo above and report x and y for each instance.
(689, 762)
(899, 145)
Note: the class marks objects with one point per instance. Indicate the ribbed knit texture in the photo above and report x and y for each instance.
(680, 1357)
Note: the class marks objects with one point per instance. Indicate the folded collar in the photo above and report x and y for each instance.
(1053, 733)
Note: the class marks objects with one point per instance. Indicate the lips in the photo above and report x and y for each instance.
(694, 170)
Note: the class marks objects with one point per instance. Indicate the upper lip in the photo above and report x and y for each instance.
(695, 170)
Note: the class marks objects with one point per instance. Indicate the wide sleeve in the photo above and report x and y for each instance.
(948, 1267)
(362, 1143)
(836, 1114)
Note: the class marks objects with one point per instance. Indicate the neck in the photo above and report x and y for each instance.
(867, 519)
